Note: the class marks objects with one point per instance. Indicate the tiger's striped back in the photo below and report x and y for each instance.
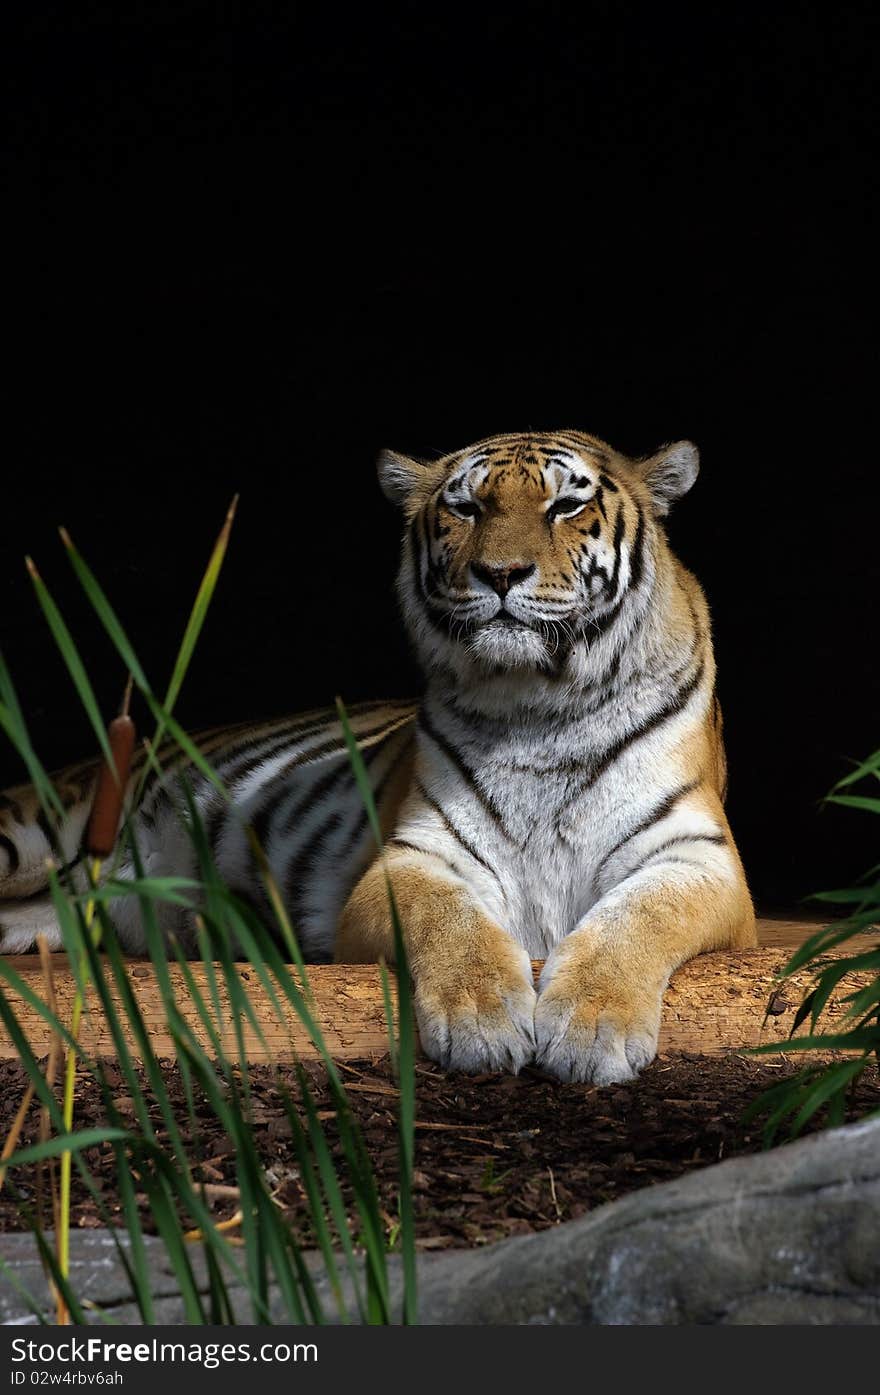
(290, 780)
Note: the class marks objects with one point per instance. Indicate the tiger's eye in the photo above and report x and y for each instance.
(563, 508)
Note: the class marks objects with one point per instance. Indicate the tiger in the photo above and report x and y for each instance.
(556, 794)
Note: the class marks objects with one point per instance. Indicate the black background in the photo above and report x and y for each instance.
(251, 247)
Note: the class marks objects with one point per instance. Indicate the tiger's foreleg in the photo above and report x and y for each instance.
(473, 992)
(601, 990)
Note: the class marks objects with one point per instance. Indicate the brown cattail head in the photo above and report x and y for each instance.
(110, 791)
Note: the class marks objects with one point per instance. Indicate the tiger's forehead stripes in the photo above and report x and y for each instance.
(568, 471)
(461, 478)
(549, 464)
(533, 450)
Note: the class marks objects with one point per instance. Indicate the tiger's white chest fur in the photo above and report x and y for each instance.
(542, 817)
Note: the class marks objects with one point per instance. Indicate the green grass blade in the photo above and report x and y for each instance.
(869, 767)
(125, 649)
(855, 1040)
(406, 1038)
(67, 1143)
(169, 890)
(139, 1273)
(856, 801)
(106, 614)
(15, 727)
(203, 599)
(388, 1008)
(198, 614)
(74, 664)
(833, 1081)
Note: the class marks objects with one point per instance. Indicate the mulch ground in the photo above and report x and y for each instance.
(495, 1155)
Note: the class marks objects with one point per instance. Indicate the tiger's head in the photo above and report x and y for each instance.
(525, 546)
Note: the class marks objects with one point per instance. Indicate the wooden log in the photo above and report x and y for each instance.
(714, 1004)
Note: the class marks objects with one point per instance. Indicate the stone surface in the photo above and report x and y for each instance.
(788, 1237)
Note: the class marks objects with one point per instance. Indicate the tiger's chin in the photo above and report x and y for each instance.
(507, 645)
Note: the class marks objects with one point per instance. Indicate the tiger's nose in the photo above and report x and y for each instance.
(502, 578)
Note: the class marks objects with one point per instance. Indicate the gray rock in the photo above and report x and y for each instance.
(788, 1237)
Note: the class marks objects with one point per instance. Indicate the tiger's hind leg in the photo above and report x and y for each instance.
(29, 841)
(29, 837)
(22, 921)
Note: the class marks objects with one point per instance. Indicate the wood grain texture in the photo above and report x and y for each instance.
(715, 1003)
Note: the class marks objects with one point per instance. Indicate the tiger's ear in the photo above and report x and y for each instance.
(669, 474)
(401, 478)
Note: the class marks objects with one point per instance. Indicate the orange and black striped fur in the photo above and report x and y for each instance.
(557, 794)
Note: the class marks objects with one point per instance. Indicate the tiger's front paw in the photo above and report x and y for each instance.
(478, 1016)
(591, 1024)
